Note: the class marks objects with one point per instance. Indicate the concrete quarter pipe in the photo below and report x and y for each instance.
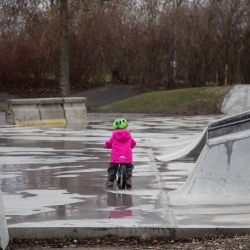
(221, 174)
(4, 235)
(222, 171)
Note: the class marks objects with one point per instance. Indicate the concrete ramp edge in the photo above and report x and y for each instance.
(4, 235)
(220, 127)
(191, 152)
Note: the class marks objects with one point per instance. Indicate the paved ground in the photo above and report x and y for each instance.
(104, 95)
(52, 182)
(57, 175)
(5, 96)
(53, 178)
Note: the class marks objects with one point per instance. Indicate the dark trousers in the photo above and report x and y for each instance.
(112, 169)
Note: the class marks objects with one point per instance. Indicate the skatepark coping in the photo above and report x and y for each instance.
(220, 127)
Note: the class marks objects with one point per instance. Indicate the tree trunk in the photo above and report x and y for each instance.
(225, 81)
(64, 42)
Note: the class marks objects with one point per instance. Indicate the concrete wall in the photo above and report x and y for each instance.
(46, 111)
(4, 235)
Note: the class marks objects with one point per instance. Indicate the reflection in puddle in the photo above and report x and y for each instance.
(120, 212)
(122, 203)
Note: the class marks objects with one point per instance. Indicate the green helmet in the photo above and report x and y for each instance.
(120, 123)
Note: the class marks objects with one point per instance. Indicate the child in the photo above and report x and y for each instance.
(121, 144)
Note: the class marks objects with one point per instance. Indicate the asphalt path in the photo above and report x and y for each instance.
(95, 97)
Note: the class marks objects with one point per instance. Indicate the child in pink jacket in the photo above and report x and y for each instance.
(121, 144)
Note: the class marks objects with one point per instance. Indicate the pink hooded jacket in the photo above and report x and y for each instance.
(121, 144)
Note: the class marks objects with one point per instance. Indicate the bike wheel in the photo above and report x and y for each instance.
(118, 177)
(123, 176)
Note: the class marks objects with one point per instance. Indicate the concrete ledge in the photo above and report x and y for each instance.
(73, 108)
(4, 235)
(123, 232)
(46, 111)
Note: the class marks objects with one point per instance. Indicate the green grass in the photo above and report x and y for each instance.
(192, 101)
(3, 108)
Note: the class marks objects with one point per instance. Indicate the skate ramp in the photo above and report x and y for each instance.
(237, 100)
(221, 174)
(4, 235)
(190, 152)
(223, 126)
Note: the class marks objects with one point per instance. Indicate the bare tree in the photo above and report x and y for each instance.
(123, 41)
(64, 44)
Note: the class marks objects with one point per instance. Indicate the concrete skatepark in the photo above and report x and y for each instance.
(52, 180)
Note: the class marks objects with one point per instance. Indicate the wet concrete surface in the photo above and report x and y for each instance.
(55, 177)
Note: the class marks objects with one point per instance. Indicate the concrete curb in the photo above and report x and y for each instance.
(123, 232)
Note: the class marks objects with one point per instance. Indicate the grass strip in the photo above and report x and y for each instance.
(190, 101)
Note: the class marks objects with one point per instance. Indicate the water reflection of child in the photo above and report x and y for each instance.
(121, 205)
(121, 144)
